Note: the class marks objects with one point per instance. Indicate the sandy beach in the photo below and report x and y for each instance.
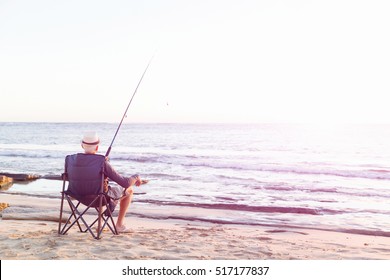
(28, 231)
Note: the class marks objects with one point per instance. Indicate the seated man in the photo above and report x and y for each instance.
(86, 168)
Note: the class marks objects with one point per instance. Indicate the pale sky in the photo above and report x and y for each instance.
(215, 60)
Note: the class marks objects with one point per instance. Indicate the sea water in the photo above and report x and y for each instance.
(291, 175)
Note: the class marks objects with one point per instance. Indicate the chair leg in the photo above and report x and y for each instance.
(66, 226)
(61, 210)
(113, 228)
(68, 221)
(77, 215)
(75, 211)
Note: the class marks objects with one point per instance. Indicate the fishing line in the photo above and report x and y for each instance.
(124, 115)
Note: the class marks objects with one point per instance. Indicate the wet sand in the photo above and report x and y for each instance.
(28, 231)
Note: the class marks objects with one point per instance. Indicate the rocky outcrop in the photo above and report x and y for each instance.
(29, 177)
(20, 176)
(7, 179)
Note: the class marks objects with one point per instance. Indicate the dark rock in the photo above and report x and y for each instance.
(52, 177)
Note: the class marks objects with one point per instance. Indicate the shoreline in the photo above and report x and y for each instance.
(28, 232)
(161, 210)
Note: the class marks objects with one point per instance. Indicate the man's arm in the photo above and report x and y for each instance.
(125, 182)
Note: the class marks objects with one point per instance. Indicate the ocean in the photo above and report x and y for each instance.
(334, 178)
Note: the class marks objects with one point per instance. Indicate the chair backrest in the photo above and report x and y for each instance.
(84, 173)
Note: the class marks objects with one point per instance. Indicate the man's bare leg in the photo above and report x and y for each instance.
(123, 206)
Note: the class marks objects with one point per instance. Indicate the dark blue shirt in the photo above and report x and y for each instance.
(84, 173)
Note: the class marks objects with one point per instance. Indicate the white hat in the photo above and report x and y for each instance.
(90, 141)
(91, 138)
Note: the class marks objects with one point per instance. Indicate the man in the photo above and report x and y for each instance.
(85, 169)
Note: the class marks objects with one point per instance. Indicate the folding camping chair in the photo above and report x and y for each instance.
(81, 207)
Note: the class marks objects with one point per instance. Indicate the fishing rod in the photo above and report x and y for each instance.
(124, 115)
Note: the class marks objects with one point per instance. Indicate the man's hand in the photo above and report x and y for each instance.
(141, 182)
(138, 180)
